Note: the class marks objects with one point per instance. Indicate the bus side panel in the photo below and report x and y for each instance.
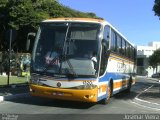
(120, 82)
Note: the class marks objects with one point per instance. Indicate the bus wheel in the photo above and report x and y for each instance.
(107, 99)
(128, 90)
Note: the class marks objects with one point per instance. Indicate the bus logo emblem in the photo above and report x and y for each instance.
(58, 84)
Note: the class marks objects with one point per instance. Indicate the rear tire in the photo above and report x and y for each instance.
(128, 90)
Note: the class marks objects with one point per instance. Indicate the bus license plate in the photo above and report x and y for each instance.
(58, 93)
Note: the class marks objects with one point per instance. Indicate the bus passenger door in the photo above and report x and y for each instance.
(105, 52)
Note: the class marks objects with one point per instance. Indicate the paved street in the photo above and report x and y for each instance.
(120, 103)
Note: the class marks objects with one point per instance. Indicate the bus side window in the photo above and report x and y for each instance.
(123, 47)
(113, 41)
(127, 49)
(119, 44)
(106, 35)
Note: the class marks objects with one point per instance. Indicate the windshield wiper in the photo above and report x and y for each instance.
(65, 55)
(73, 74)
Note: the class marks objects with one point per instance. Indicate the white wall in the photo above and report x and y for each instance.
(146, 51)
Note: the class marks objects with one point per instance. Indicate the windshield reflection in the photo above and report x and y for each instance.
(67, 48)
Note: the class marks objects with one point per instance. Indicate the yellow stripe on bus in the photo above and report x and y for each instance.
(78, 19)
(102, 88)
(118, 58)
(120, 84)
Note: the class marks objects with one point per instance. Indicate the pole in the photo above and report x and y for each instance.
(159, 85)
(10, 39)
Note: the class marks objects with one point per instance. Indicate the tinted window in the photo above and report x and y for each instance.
(113, 40)
(119, 44)
(123, 47)
(127, 49)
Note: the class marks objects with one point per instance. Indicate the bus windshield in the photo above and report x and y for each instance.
(67, 48)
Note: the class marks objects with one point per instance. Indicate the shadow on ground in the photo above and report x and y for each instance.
(14, 89)
(136, 89)
(39, 101)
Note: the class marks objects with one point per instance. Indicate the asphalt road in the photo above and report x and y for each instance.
(121, 103)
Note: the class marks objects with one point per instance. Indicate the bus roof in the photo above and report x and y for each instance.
(93, 20)
(76, 19)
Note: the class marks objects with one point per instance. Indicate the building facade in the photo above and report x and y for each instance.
(143, 53)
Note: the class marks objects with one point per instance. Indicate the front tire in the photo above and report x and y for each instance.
(107, 99)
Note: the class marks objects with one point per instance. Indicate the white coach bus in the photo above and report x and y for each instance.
(81, 59)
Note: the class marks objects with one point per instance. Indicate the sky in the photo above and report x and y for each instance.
(135, 19)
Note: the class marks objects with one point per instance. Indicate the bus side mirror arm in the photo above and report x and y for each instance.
(28, 44)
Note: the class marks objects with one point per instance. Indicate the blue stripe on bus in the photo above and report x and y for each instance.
(102, 97)
(113, 76)
(105, 96)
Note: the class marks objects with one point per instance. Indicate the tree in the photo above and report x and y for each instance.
(21, 15)
(154, 59)
(25, 16)
(156, 7)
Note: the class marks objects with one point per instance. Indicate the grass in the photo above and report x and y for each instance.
(13, 80)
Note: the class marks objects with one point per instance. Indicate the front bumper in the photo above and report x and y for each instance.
(65, 94)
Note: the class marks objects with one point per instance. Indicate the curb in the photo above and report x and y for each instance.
(15, 85)
(154, 79)
(11, 97)
(1, 98)
(146, 103)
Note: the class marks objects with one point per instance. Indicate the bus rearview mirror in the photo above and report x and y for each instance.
(30, 41)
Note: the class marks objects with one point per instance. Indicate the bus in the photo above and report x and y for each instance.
(81, 59)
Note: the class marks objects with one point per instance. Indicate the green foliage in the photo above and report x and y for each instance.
(154, 59)
(13, 80)
(157, 56)
(25, 16)
(156, 7)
